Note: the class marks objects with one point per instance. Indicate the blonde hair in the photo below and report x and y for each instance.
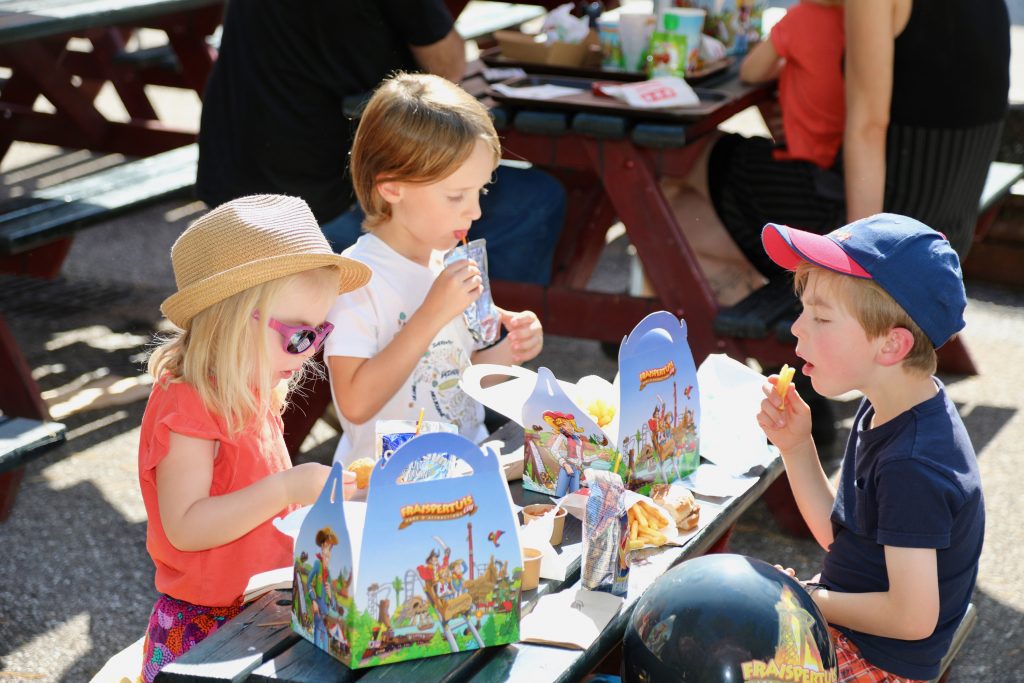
(223, 356)
(417, 128)
(875, 310)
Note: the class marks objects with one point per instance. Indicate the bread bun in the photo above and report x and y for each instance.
(679, 502)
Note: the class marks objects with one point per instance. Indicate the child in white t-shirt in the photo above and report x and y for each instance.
(423, 152)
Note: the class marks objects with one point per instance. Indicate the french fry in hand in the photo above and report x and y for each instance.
(785, 378)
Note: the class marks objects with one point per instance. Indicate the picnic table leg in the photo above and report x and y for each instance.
(19, 398)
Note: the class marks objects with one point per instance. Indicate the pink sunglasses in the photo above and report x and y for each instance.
(297, 339)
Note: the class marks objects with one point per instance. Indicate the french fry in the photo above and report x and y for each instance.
(785, 378)
(634, 529)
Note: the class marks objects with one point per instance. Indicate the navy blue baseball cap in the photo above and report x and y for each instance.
(913, 263)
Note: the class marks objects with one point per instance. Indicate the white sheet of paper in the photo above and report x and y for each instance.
(730, 399)
(536, 92)
(572, 618)
(718, 482)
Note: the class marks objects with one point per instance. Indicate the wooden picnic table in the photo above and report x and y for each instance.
(259, 645)
(610, 158)
(36, 44)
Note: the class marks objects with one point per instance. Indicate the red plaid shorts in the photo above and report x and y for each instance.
(853, 668)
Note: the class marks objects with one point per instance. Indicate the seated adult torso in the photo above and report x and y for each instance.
(272, 118)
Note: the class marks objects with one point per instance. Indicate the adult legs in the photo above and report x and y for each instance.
(728, 272)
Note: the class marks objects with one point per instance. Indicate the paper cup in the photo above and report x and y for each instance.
(635, 30)
(689, 22)
(531, 569)
(611, 44)
(532, 512)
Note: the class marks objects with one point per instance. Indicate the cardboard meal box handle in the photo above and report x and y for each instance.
(386, 472)
(332, 492)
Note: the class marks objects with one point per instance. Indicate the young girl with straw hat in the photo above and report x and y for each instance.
(255, 280)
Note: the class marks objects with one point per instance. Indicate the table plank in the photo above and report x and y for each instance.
(260, 632)
(481, 18)
(29, 19)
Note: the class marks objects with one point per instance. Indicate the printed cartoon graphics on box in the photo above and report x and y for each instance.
(434, 567)
(644, 426)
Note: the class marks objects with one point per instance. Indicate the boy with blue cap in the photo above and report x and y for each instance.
(903, 529)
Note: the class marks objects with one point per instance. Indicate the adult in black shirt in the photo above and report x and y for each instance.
(273, 121)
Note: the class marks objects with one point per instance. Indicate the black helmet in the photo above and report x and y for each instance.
(726, 618)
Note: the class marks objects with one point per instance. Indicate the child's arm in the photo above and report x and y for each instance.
(762, 64)
(787, 424)
(362, 386)
(195, 520)
(524, 341)
(909, 610)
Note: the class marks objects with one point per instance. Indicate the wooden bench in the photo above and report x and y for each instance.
(773, 308)
(21, 441)
(35, 235)
(35, 230)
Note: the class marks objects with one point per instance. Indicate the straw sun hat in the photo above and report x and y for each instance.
(246, 242)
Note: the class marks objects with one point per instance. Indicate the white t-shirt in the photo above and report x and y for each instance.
(367, 319)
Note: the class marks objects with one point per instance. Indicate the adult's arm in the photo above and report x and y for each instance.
(870, 46)
(446, 57)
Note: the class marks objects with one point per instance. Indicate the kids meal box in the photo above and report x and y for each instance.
(644, 426)
(423, 568)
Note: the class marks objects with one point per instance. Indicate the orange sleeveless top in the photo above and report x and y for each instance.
(218, 576)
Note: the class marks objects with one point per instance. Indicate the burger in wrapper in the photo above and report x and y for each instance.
(679, 502)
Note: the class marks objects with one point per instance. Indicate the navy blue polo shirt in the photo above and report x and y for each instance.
(912, 482)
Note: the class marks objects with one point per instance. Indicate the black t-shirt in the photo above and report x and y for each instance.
(272, 119)
(952, 64)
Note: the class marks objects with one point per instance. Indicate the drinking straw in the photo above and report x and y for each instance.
(464, 242)
(419, 423)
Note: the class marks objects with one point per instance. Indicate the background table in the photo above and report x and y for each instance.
(611, 163)
(34, 45)
(259, 645)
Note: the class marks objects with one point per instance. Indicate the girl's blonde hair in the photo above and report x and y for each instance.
(417, 128)
(222, 354)
(875, 310)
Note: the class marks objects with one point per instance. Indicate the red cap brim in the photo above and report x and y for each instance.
(788, 247)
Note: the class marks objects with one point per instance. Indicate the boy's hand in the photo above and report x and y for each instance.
(525, 336)
(786, 423)
(455, 288)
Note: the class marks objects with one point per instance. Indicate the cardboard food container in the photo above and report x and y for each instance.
(435, 566)
(650, 415)
(523, 47)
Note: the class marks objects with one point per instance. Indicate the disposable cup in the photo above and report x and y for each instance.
(635, 30)
(689, 22)
(532, 512)
(531, 569)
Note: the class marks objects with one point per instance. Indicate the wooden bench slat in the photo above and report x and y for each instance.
(1001, 177)
(58, 211)
(23, 440)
